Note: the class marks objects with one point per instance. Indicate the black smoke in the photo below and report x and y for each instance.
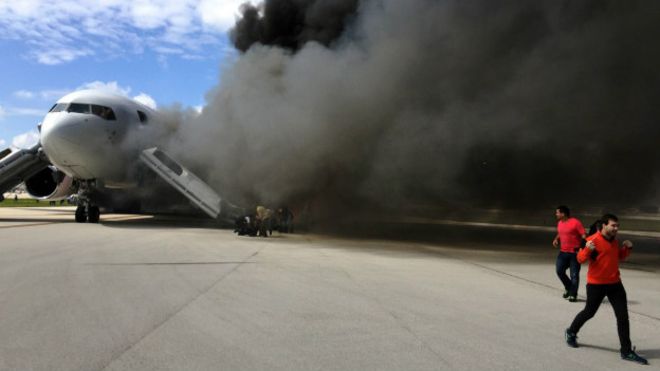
(490, 103)
(290, 24)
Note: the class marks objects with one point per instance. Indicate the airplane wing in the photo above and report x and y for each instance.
(187, 183)
(16, 167)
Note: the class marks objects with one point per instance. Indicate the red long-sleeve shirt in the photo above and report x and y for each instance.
(604, 269)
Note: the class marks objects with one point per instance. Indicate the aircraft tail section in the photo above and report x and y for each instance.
(16, 167)
(184, 181)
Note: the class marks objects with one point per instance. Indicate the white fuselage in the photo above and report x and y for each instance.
(88, 135)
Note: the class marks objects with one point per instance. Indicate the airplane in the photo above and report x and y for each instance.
(93, 143)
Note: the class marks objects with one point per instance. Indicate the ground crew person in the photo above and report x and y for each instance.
(603, 280)
(263, 218)
(285, 220)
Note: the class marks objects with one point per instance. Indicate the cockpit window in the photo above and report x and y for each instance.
(58, 107)
(79, 108)
(142, 116)
(103, 112)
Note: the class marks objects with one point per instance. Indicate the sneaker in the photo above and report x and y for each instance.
(634, 357)
(571, 339)
(565, 294)
(572, 299)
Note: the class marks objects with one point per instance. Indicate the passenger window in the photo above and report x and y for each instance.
(59, 107)
(79, 108)
(103, 112)
(142, 116)
(171, 164)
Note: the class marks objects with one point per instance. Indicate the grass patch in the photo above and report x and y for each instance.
(28, 202)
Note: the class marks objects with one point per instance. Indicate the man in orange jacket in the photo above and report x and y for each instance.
(603, 279)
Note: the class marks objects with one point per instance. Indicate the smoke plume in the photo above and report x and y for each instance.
(386, 102)
(291, 24)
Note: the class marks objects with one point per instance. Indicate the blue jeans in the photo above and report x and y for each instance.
(566, 260)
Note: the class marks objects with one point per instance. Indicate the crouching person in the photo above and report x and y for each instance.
(244, 226)
(264, 225)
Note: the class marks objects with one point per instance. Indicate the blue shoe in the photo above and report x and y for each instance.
(565, 296)
(634, 357)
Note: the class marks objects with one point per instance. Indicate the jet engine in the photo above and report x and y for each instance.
(50, 184)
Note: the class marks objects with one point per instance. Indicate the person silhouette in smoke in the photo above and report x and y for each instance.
(284, 220)
(263, 219)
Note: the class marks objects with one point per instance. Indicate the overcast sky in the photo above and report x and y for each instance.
(157, 51)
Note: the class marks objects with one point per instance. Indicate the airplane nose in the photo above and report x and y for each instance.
(57, 137)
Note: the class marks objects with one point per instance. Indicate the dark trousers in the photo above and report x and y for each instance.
(566, 260)
(616, 294)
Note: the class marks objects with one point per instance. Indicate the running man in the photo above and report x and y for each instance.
(570, 234)
(604, 279)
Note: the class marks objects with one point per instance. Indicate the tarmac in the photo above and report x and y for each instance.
(154, 293)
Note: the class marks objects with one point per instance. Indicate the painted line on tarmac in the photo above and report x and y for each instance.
(521, 227)
(178, 310)
(530, 281)
(26, 225)
(174, 263)
(481, 224)
(126, 217)
(548, 286)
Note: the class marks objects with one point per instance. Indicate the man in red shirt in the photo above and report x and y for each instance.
(570, 233)
(603, 279)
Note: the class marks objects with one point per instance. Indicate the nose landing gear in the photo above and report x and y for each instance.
(81, 214)
(86, 211)
(93, 214)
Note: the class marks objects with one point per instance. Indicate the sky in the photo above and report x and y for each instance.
(160, 52)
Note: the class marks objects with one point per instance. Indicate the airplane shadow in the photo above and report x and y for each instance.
(36, 220)
(50, 210)
(527, 246)
(167, 221)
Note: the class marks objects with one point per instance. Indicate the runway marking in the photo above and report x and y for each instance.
(480, 224)
(520, 227)
(174, 263)
(127, 217)
(399, 321)
(179, 310)
(495, 270)
(27, 225)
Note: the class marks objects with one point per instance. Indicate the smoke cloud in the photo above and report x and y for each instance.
(291, 24)
(385, 103)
